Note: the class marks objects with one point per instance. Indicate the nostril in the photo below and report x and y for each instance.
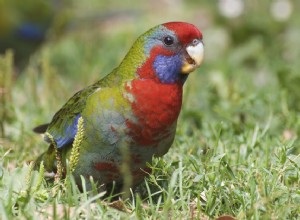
(195, 42)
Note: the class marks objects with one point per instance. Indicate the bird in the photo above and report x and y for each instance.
(135, 107)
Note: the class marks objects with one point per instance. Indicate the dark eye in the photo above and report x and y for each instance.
(168, 40)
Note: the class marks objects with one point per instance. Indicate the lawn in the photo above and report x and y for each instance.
(237, 147)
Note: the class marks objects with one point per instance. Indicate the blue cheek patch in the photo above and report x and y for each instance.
(168, 68)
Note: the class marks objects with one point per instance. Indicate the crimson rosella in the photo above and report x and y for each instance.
(136, 107)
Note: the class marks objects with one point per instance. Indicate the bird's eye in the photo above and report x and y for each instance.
(168, 40)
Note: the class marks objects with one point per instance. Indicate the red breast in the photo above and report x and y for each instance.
(156, 107)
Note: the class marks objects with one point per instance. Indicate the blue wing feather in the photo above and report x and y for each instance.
(64, 138)
(63, 126)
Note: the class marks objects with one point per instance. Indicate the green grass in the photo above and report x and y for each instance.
(236, 151)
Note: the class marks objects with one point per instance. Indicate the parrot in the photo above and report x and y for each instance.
(136, 107)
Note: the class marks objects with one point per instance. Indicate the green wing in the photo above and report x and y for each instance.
(63, 126)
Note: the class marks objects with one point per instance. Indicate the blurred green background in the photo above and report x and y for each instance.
(248, 83)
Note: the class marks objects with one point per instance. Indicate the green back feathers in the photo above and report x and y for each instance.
(136, 56)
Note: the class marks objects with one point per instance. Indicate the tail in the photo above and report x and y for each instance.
(41, 129)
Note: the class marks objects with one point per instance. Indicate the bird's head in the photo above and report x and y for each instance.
(168, 52)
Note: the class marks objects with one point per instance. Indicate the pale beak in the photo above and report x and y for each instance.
(195, 57)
